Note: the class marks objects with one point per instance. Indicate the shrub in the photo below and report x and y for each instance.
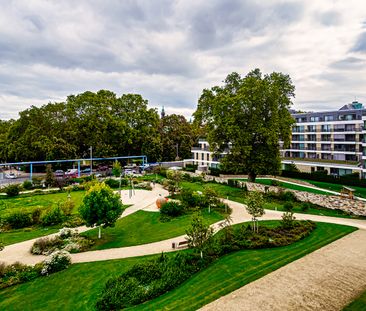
(36, 216)
(113, 183)
(288, 219)
(27, 185)
(46, 245)
(74, 221)
(57, 261)
(288, 206)
(17, 273)
(18, 220)
(305, 206)
(144, 185)
(54, 217)
(172, 208)
(67, 207)
(287, 196)
(12, 190)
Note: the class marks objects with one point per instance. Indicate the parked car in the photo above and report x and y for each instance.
(10, 176)
(86, 170)
(72, 173)
(59, 173)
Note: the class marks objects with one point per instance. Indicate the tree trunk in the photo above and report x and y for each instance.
(252, 176)
(99, 232)
(201, 255)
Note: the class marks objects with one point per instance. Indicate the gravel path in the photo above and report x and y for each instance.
(327, 279)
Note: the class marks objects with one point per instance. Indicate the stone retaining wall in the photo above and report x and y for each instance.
(355, 207)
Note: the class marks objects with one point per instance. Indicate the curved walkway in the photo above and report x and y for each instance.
(145, 200)
(141, 200)
(327, 279)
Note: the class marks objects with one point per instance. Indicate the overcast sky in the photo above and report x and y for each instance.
(168, 51)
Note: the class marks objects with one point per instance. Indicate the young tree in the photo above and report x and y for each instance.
(248, 116)
(199, 234)
(50, 177)
(117, 169)
(174, 178)
(101, 207)
(211, 197)
(254, 207)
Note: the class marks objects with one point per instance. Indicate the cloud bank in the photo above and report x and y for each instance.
(168, 51)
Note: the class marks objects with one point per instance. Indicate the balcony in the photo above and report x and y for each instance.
(200, 148)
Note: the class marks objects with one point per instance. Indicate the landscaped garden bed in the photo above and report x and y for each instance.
(153, 278)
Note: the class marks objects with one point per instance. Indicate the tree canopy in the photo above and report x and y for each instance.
(113, 125)
(248, 116)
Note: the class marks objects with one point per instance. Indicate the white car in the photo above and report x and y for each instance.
(10, 176)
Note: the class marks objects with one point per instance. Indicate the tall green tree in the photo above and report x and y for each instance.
(248, 116)
(177, 137)
(101, 207)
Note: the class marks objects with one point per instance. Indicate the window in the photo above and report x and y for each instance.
(208, 157)
(315, 119)
(311, 128)
(328, 118)
(326, 128)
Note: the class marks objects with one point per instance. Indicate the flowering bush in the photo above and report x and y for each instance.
(67, 233)
(57, 261)
(45, 246)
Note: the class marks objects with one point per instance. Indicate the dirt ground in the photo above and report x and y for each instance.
(327, 279)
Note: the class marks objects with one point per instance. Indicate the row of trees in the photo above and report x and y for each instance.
(249, 114)
(112, 125)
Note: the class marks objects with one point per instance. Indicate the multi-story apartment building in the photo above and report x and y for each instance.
(331, 140)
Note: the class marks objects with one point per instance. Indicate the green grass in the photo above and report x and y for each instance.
(238, 195)
(28, 202)
(20, 235)
(359, 304)
(78, 287)
(240, 268)
(286, 185)
(224, 191)
(360, 191)
(144, 227)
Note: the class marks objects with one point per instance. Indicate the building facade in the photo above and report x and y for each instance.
(334, 141)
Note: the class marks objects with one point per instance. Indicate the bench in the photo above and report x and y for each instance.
(180, 244)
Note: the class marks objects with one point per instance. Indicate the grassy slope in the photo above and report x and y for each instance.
(359, 304)
(360, 191)
(237, 195)
(237, 269)
(144, 227)
(291, 186)
(28, 203)
(77, 288)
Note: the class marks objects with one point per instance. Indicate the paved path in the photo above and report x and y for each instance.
(327, 279)
(142, 200)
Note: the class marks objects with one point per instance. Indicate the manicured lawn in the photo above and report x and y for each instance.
(359, 304)
(238, 195)
(144, 227)
(20, 235)
(28, 202)
(224, 191)
(291, 186)
(78, 287)
(240, 268)
(360, 191)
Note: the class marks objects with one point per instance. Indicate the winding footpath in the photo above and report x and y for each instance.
(327, 279)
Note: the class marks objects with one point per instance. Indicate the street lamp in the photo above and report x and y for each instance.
(91, 159)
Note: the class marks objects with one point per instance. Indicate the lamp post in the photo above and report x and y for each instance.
(91, 159)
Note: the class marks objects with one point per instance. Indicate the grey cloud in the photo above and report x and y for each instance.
(360, 45)
(330, 18)
(218, 22)
(349, 63)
